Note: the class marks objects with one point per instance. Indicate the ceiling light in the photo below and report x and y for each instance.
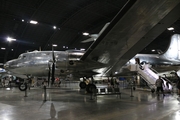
(170, 28)
(85, 33)
(153, 50)
(22, 20)
(54, 27)
(33, 22)
(54, 45)
(10, 39)
(3, 48)
(82, 49)
(116, 72)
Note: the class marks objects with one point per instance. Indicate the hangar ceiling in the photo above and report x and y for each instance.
(71, 18)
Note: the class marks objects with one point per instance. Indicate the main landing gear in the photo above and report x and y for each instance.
(24, 85)
(88, 86)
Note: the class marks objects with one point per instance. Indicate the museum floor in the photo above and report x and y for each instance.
(69, 103)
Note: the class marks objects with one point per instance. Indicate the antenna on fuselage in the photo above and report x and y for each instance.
(39, 48)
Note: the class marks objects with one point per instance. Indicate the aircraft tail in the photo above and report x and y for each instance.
(93, 37)
(105, 26)
(173, 51)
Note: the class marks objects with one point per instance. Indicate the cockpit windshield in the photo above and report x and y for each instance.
(21, 56)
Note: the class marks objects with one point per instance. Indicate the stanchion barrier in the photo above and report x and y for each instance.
(131, 91)
(25, 93)
(44, 93)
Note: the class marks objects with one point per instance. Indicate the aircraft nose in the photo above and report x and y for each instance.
(6, 65)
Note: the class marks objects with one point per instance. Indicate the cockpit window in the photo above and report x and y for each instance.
(22, 57)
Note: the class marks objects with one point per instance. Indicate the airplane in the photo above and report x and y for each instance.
(2, 71)
(40, 63)
(116, 45)
(167, 61)
(93, 37)
(170, 57)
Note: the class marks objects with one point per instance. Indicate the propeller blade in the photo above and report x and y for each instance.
(53, 72)
(53, 56)
(53, 67)
(49, 73)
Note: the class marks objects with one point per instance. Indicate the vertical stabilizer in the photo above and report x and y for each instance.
(105, 26)
(173, 52)
(93, 37)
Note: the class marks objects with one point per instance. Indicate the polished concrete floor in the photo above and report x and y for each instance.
(69, 103)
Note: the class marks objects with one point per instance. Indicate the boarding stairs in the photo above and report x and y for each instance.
(149, 75)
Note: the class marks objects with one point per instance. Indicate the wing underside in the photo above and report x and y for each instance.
(133, 28)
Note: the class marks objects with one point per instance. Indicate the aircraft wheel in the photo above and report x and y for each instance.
(22, 86)
(152, 90)
(82, 85)
(90, 88)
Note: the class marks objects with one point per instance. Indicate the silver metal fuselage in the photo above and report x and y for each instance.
(38, 63)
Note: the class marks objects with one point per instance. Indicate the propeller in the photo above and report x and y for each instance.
(53, 68)
(51, 72)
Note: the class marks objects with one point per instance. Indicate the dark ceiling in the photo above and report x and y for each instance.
(71, 17)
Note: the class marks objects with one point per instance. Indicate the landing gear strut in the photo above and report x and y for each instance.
(90, 88)
(152, 90)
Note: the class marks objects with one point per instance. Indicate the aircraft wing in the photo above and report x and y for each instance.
(133, 28)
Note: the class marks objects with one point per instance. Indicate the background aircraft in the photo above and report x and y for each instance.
(164, 61)
(93, 37)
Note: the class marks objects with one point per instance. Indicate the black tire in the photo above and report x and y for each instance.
(134, 88)
(22, 86)
(90, 88)
(82, 85)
